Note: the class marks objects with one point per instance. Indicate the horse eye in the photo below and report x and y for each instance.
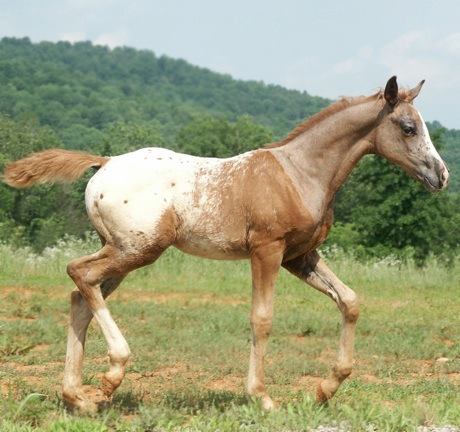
(408, 130)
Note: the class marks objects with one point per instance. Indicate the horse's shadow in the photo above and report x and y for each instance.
(127, 402)
(195, 401)
(191, 401)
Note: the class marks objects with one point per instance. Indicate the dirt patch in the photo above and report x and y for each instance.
(40, 347)
(448, 342)
(328, 356)
(410, 378)
(157, 381)
(185, 298)
(167, 371)
(24, 293)
(389, 403)
(454, 377)
(35, 381)
(26, 369)
(231, 383)
(306, 383)
(160, 374)
(371, 379)
(4, 389)
(17, 318)
(100, 360)
(398, 304)
(303, 338)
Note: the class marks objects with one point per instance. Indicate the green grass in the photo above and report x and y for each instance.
(186, 321)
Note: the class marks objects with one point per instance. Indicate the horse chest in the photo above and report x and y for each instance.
(308, 237)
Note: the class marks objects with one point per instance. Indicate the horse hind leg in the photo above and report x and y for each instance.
(90, 274)
(80, 317)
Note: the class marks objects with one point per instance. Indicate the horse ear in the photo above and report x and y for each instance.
(413, 93)
(391, 91)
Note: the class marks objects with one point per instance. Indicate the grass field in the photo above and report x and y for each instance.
(186, 321)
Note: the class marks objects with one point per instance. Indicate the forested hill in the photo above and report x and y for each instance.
(107, 101)
(74, 86)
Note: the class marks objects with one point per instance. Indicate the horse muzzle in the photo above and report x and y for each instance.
(436, 178)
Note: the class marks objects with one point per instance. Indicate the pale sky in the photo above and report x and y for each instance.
(328, 48)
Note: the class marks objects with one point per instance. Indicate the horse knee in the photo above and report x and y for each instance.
(351, 307)
(261, 323)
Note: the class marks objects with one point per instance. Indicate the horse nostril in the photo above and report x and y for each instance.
(444, 175)
(442, 171)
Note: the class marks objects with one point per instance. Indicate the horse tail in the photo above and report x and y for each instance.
(50, 166)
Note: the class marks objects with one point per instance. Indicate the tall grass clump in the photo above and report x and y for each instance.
(18, 264)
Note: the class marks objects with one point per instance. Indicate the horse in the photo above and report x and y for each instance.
(272, 205)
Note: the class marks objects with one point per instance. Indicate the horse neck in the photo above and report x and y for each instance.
(325, 154)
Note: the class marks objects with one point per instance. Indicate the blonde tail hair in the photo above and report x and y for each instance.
(50, 166)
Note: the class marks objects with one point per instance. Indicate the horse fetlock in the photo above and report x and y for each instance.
(120, 357)
(69, 395)
(255, 387)
(352, 313)
(258, 392)
(343, 373)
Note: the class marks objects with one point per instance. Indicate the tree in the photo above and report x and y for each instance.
(121, 137)
(43, 214)
(217, 137)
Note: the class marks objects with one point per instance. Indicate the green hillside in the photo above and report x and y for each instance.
(79, 89)
(107, 101)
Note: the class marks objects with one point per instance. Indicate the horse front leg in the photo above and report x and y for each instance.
(312, 269)
(265, 265)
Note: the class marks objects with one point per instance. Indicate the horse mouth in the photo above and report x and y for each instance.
(430, 185)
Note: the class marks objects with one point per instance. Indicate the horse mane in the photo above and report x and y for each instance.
(325, 113)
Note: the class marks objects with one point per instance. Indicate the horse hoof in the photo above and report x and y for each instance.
(110, 382)
(321, 397)
(85, 401)
(267, 403)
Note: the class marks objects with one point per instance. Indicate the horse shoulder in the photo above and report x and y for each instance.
(273, 198)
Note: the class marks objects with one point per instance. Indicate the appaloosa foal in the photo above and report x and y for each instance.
(271, 205)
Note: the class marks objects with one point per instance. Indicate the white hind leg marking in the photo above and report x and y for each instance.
(89, 273)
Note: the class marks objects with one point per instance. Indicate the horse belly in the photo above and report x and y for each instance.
(208, 234)
(212, 248)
